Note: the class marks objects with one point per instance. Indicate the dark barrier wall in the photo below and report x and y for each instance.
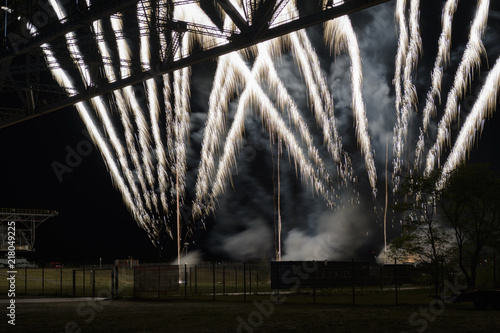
(297, 274)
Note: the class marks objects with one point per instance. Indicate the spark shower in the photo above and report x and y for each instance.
(143, 130)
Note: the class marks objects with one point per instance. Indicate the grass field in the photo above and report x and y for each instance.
(263, 313)
(325, 310)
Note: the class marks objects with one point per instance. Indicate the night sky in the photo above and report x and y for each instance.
(94, 223)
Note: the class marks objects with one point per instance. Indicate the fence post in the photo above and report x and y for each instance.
(380, 276)
(257, 280)
(396, 280)
(61, 281)
(74, 283)
(250, 279)
(244, 282)
(314, 284)
(158, 281)
(223, 280)
(113, 283)
(353, 283)
(277, 263)
(83, 280)
(195, 280)
(117, 281)
(43, 280)
(190, 282)
(92, 272)
(25, 280)
(236, 279)
(213, 270)
(185, 281)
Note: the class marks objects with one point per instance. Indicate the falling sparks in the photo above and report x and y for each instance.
(483, 109)
(406, 98)
(442, 58)
(143, 130)
(340, 34)
(471, 61)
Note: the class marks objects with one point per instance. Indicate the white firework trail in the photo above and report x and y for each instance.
(98, 104)
(84, 111)
(253, 95)
(181, 122)
(471, 61)
(193, 13)
(340, 35)
(133, 107)
(224, 85)
(151, 89)
(309, 65)
(409, 98)
(266, 72)
(262, 71)
(402, 50)
(483, 109)
(110, 74)
(401, 54)
(442, 58)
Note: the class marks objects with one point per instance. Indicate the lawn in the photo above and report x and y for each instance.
(262, 313)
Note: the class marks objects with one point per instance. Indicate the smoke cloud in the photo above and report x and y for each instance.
(334, 235)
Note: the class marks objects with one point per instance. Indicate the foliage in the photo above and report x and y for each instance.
(460, 220)
(423, 233)
(470, 201)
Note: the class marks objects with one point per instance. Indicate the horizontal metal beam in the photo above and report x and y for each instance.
(238, 42)
(98, 10)
(27, 212)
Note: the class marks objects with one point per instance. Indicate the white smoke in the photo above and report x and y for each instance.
(335, 235)
(191, 258)
(257, 238)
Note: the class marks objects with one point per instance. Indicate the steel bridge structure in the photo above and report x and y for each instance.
(21, 224)
(27, 89)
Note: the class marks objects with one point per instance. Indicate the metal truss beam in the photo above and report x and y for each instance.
(235, 16)
(238, 42)
(73, 22)
(257, 26)
(26, 221)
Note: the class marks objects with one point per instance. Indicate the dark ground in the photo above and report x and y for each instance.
(255, 315)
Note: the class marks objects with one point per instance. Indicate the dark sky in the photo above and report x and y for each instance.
(93, 222)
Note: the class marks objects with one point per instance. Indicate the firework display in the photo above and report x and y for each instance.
(143, 130)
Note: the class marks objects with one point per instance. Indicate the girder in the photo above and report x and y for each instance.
(235, 16)
(257, 22)
(23, 223)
